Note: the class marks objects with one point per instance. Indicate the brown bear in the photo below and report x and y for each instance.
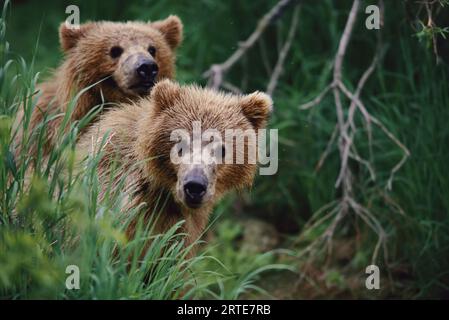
(139, 138)
(122, 61)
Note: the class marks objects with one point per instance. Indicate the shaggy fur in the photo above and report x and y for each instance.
(139, 139)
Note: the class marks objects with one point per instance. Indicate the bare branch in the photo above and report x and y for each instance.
(392, 137)
(216, 72)
(345, 39)
(318, 98)
(343, 136)
(328, 149)
(431, 24)
(283, 54)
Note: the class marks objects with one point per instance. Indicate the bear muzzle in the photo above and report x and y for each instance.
(147, 72)
(144, 74)
(195, 188)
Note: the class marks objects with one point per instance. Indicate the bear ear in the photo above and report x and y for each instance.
(69, 36)
(164, 93)
(171, 28)
(256, 107)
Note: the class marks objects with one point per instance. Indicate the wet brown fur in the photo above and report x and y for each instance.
(139, 138)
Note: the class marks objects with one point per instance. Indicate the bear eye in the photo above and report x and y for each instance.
(152, 50)
(116, 52)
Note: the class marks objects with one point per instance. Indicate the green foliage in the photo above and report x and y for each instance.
(233, 268)
(427, 33)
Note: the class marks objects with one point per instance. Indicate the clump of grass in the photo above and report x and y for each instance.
(235, 271)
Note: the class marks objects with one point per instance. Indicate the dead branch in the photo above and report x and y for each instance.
(216, 72)
(343, 135)
(346, 36)
(283, 54)
(328, 149)
(431, 24)
(318, 98)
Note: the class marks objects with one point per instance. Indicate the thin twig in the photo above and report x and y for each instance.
(216, 72)
(283, 54)
(317, 99)
(392, 137)
(431, 24)
(327, 150)
(346, 36)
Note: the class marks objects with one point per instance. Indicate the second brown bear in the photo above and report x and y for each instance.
(129, 57)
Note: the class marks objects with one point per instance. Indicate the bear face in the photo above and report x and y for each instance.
(132, 56)
(209, 165)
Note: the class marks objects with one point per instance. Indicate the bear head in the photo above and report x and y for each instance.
(130, 57)
(197, 143)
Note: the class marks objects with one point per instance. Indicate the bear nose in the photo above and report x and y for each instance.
(195, 189)
(147, 70)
